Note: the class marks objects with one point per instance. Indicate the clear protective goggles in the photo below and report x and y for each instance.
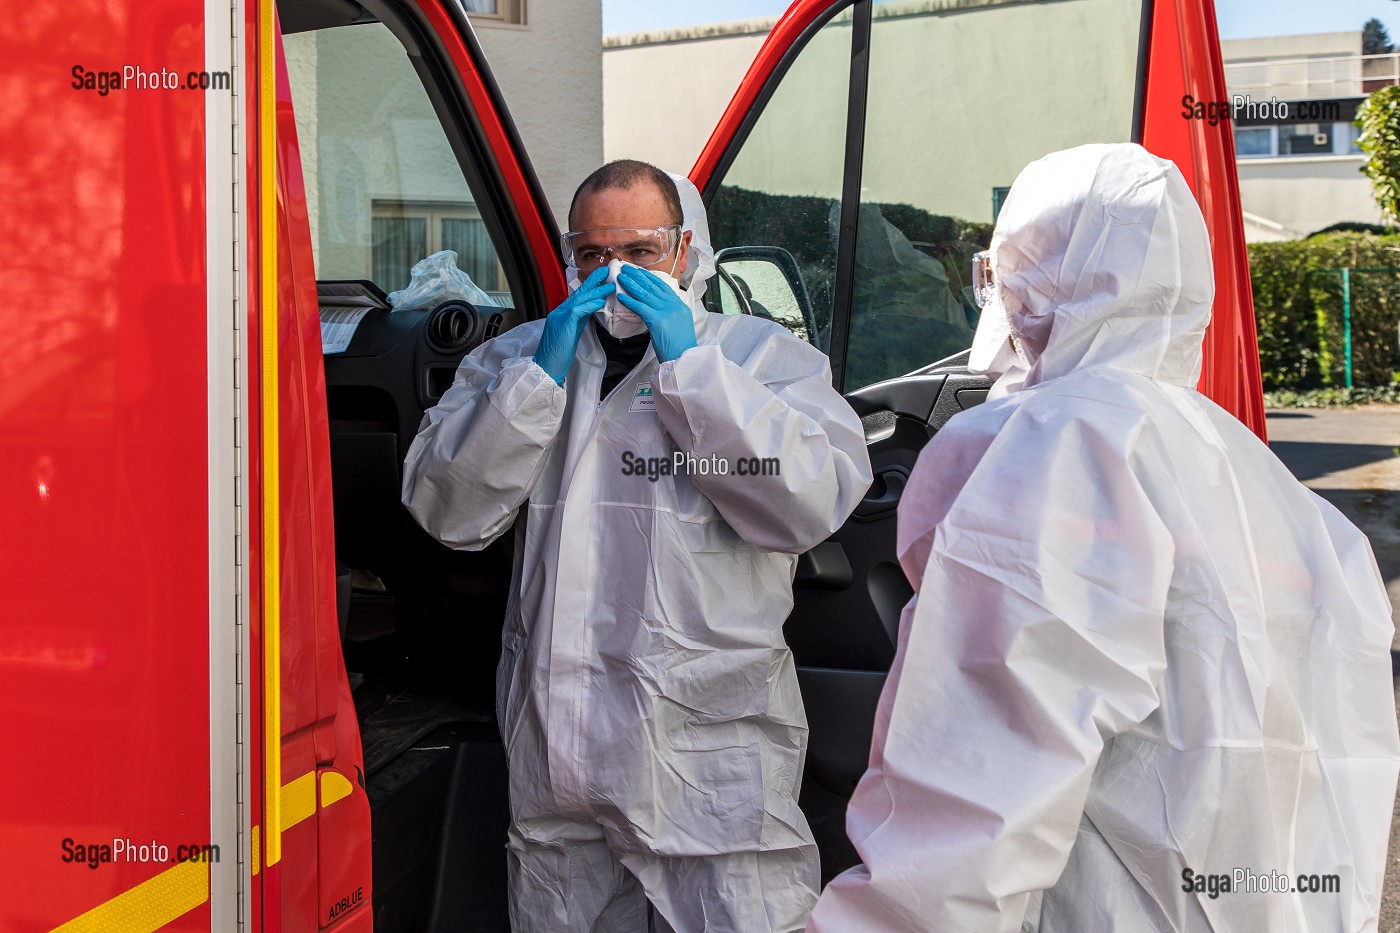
(586, 250)
(984, 283)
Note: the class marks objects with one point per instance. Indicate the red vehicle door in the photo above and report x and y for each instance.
(858, 167)
(392, 144)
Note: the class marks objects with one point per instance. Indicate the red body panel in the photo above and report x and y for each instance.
(1184, 58)
(104, 502)
(325, 855)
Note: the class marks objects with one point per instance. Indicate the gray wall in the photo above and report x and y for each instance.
(664, 91)
(551, 73)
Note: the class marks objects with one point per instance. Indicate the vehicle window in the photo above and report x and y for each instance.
(768, 197)
(956, 107)
(383, 186)
(960, 98)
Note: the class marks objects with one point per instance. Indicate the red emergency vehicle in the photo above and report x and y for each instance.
(238, 688)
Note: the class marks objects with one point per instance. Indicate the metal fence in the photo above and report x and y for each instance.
(1358, 321)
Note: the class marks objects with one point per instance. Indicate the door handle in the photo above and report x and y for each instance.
(824, 567)
(884, 492)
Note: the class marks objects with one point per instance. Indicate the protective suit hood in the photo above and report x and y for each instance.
(1101, 258)
(700, 258)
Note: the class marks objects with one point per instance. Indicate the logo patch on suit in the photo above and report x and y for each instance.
(642, 399)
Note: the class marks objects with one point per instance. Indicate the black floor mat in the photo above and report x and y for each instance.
(393, 717)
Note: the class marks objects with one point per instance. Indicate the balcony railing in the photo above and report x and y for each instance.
(1313, 78)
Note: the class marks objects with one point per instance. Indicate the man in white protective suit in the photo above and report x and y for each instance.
(646, 696)
(1145, 678)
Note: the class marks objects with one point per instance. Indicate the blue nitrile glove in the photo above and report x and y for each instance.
(564, 325)
(665, 313)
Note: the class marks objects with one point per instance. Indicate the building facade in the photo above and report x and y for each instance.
(1294, 100)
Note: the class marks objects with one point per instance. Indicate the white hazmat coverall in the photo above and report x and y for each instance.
(646, 696)
(1139, 651)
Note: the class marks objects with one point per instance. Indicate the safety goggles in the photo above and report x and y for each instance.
(984, 283)
(586, 250)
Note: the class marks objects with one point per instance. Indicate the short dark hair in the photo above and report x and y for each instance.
(626, 173)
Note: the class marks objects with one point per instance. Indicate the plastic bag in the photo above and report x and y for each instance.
(436, 279)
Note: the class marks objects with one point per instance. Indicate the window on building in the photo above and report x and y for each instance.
(1254, 141)
(999, 194)
(511, 12)
(405, 231)
(1247, 75)
(1305, 139)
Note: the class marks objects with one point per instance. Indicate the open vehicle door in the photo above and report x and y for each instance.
(855, 173)
(405, 149)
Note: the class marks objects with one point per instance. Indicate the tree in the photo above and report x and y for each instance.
(1379, 120)
(1374, 39)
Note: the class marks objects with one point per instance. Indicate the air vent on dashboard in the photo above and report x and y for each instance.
(451, 326)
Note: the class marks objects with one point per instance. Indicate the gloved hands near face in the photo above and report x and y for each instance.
(564, 326)
(665, 313)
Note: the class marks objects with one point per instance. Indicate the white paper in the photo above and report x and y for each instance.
(338, 327)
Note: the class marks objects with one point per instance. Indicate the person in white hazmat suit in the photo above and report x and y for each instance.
(648, 702)
(1142, 662)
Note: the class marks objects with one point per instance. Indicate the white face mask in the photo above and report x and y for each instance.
(617, 319)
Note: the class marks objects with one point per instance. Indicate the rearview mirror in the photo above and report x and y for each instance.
(764, 281)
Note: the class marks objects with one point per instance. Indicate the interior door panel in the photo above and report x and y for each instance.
(843, 639)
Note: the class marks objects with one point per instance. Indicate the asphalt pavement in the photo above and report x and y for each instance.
(1351, 457)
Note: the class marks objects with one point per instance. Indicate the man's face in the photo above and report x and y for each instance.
(615, 223)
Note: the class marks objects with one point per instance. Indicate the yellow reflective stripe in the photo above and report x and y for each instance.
(334, 787)
(148, 906)
(257, 849)
(298, 800)
(271, 537)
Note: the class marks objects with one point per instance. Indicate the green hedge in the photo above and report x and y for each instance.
(1298, 310)
(1333, 397)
